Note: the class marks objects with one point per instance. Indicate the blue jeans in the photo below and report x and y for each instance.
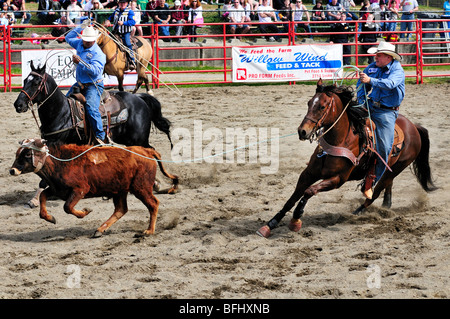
(164, 29)
(93, 95)
(126, 37)
(19, 15)
(384, 133)
(406, 25)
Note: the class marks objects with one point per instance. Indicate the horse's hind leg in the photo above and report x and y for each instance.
(385, 183)
(387, 199)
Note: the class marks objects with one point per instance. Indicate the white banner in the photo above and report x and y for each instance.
(59, 66)
(286, 63)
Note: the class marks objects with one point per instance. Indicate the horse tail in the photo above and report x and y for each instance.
(161, 123)
(174, 178)
(421, 164)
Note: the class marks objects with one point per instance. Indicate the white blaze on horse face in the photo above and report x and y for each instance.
(315, 101)
(30, 78)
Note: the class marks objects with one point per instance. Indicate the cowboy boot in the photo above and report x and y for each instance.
(368, 182)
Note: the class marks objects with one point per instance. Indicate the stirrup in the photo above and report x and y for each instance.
(98, 141)
(131, 66)
(108, 140)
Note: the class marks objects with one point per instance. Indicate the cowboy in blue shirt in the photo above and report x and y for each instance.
(90, 61)
(386, 78)
(123, 22)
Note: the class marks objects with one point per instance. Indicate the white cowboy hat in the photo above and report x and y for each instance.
(386, 48)
(89, 34)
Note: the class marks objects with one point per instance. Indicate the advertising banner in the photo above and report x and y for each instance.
(286, 63)
(59, 65)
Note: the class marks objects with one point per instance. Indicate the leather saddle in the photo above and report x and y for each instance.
(399, 137)
(135, 42)
(112, 110)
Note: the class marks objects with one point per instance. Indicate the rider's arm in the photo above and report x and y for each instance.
(95, 67)
(395, 78)
(72, 36)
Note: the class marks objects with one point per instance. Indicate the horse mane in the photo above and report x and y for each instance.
(357, 114)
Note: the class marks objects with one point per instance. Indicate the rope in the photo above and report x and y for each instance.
(153, 159)
(102, 30)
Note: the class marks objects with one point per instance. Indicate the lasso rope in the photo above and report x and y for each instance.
(119, 43)
(150, 158)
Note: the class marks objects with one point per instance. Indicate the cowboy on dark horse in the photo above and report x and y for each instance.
(90, 62)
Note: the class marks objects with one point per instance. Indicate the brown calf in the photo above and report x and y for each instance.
(100, 171)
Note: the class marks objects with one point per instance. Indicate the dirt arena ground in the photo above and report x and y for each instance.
(205, 244)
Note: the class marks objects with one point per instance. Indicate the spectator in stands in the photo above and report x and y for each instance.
(363, 12)
(19, 9)
(346, 4)
(284, 14)
(3, 19)
(277, 5)
(110, 4)
(137, 29)
(195, 17)
(297, 15)
(246, 5)
(408, 8)
(342, 30)
(446, 14)
(74, 11)
(383, 16)
(237, 16)
(266, 14)
(318, 13)
(96, 6)
(46, 15)
(141, 4)
(150, 11)
(334, 9)
(86, 5)
(61, 30)
(366, 37)
(8, 12)
(225, 10)
(162, 18)
(392, 15)
(179, 15)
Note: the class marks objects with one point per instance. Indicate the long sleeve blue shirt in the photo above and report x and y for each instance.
(387, 84)
(93, 56)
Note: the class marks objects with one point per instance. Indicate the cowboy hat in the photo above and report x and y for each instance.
(89, 34)
(386, 48)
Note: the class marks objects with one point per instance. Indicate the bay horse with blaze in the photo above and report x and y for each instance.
(333, 113)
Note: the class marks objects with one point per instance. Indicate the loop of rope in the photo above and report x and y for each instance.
(153, 159)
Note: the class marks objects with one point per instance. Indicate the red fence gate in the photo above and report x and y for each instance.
(209, 62)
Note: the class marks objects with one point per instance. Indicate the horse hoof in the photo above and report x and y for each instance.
(359, 210)
(156, 186)
(264, 231)
(295, 224)
(97, 234)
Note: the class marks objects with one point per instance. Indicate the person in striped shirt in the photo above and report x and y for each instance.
(123, 22)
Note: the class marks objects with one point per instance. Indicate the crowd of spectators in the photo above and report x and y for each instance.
(188, 15)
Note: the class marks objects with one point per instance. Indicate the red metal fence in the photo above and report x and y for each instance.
(208, 59)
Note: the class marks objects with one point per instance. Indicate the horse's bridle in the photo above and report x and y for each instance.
(318, 123)
(42, 86)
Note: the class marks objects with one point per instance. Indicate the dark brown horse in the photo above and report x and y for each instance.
(332, 112)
